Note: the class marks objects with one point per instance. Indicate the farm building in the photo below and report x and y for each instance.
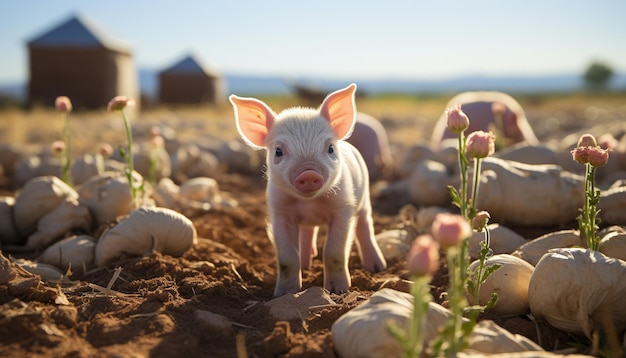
(190, 82)
(78, 60)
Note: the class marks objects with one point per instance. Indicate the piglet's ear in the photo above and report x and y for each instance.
(340, 110)
(254, 120)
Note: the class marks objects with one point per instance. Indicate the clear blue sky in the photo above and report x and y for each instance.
(365, 39)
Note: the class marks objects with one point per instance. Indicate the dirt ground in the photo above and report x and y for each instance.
(156, 303)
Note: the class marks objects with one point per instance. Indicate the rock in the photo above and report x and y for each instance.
(532, 251)
(145, 230)
(76, 252)
(509, 282)
(296, 306)
(213, 322)
(523, 194)
(575, 289)
(503, 240)
(363, 331)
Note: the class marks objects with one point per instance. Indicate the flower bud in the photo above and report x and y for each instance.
(587, 140)
(118, 103)
(106, 150)
(58, 146)
(480, 144)
(423, 257)
(63, 104)
(480, 220)
(450, 229)
(598, 156)
(457, 119)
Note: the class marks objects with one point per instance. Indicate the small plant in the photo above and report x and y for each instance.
(156, 143)
(589, 153)
(452, 232)
(105, 151)
(479, 224)
(64, 106)
(422, 263)
(118, 104)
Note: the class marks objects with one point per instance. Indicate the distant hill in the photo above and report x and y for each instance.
(279, 85)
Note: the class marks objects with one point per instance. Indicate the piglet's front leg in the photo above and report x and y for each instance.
(337, 252)
(285, 236)
(308, 245)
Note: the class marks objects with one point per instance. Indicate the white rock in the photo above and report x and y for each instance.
(77, 251)
(36, 198)
(145, 230)
(363, 331)
(428, 184)
(613, 244)
(47, 272)
(509, 282)
(66, 217)
(297, 305)
(107, 196)
(573, 288)
(611, 205)
(532, 251)
(394, 243)
(523, 194)
(502, 240)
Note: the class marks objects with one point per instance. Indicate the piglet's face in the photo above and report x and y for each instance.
(302, 154)
(303, 158)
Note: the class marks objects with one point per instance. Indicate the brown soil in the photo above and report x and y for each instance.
(230, 272)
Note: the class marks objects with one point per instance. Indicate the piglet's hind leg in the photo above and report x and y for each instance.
(369, 251)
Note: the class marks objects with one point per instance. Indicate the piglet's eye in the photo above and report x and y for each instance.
(279, 152)
(331, 149)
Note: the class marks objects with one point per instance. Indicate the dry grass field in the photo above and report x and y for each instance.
(407, 118)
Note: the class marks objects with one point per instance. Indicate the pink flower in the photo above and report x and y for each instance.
(118, 103)
(63, 104)
(106, 150)
(457, 119)
(587, 140)
(581, 154)
(598, 156)
(480, 220)
(480, 144)
(450, 229)
(58, 146)
(423, 257)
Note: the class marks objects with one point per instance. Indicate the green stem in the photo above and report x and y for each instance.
(421, 298)
(477, 164)
(463, 174)
(67, 157)
(129, 158)
(456, 265)
(481, 266)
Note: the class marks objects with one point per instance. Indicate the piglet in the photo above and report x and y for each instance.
(315, 178)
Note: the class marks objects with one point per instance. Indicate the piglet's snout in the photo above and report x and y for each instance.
(308, 181)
